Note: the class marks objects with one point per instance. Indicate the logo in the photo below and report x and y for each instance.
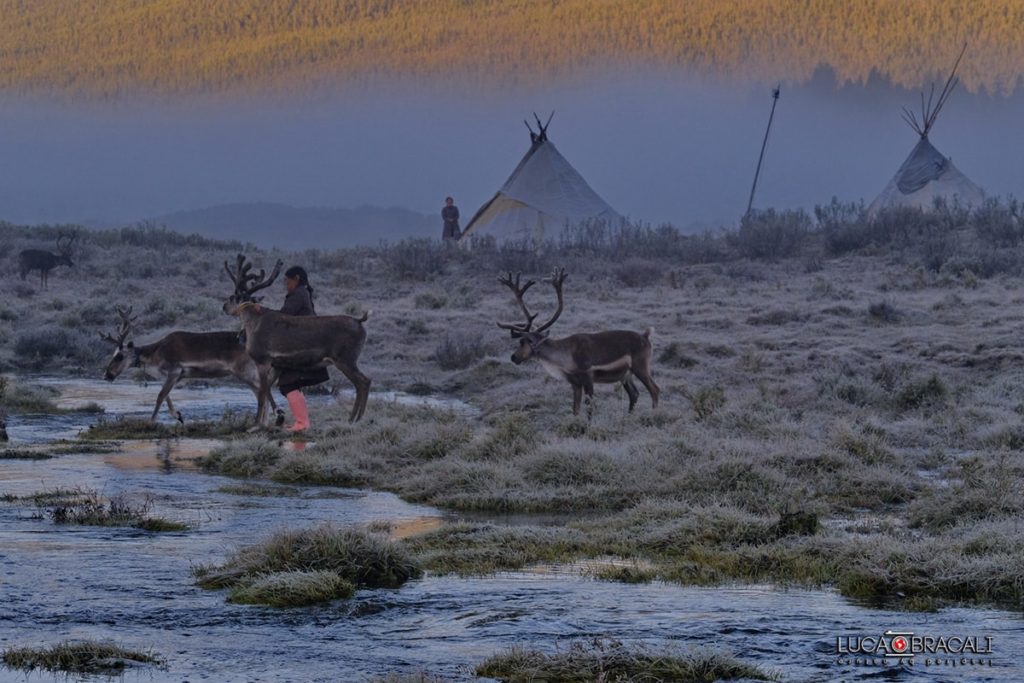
(906, 648)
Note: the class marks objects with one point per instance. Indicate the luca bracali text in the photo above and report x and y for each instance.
(906, 648)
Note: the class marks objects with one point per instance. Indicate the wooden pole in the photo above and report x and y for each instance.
(760, 159)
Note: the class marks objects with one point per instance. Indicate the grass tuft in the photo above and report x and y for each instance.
(611, 660)
(86, 657)
(291, 589)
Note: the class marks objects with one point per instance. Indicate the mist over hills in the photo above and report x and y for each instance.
(283, 225)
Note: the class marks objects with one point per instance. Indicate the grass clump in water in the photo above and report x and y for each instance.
(23, 454)
(89, 508)
(291, 589)
(125, 428)
(354, 556)
(244, 458)
(87, 657)
(611, 660)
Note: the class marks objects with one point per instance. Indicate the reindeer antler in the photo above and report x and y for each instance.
(246, 283)
(557, 279)
(124, 327)
(518, 291)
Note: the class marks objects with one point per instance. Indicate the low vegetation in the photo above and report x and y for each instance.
(88, 508)
(84, 657)
(295, 568)
(610, 660)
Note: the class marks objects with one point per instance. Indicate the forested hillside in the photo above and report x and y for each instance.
(103, 49)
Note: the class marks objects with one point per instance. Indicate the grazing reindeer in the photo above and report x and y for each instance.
(45, 261)
(275, 340)
(206, 355)
(582, 359)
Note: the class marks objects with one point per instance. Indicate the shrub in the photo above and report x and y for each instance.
(997, 224)
(706, 401)
(637, 272)
(459, 350)
(844, 226)
(416, 259)
(772, 234)
(884, 312)
(921, 394)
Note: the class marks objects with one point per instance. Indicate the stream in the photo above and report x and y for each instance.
(135, 588)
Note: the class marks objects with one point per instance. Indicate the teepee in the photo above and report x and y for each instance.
(543, 195)
(927, 174)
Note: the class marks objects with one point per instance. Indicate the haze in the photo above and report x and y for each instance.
(659, 148)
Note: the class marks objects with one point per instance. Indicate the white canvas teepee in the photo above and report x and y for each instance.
(927, 174)
(543, 194)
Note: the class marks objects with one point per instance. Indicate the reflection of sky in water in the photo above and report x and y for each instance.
(656, 147)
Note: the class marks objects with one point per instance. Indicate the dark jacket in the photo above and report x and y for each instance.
(299, 303)
(450, 216)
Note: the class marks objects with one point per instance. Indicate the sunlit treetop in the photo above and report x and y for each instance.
(101, 49)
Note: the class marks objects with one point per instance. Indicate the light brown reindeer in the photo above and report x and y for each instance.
(582, 359)
(45, 261)
(181, 355)
(275, 340)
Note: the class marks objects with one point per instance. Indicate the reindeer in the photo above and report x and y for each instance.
(275, 340)
(582, 359)
(206, 355)
(45, 261)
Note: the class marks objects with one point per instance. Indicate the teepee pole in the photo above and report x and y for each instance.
(760, 159)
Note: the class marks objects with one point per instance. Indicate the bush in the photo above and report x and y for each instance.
(637, 272)
(845, 226)
(997, 224)
(459, 350)
(772, 234)
(706, 401)
(416, 259)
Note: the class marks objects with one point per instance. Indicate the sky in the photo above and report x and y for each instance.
(659, 147)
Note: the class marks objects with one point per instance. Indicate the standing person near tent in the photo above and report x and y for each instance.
(450, 216)
(299, 301)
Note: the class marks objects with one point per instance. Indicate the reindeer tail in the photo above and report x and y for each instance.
(365, 316)
(648, 332)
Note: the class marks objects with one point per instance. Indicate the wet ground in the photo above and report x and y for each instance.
(135, 587)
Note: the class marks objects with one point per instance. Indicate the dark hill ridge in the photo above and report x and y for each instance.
(282, 225)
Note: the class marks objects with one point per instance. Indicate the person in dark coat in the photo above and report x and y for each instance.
(450, 216)
(299, 301)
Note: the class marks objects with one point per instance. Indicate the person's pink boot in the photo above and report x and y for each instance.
(297, 403)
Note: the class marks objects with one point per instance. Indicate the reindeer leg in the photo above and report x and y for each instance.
(633, 392)
(588, 389)
(577, 396)
(172, 379)
(643, 373)
(362, 384)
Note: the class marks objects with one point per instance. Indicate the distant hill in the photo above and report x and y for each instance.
(269, 224)
(113, 49)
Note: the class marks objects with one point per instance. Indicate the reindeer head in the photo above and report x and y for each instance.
(124, 355)
(529, 338)
(247, 283)
(64, 244)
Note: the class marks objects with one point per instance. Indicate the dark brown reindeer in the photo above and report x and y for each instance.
(275, 340)
(180, 355)
(45, 261)
(582, 359)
